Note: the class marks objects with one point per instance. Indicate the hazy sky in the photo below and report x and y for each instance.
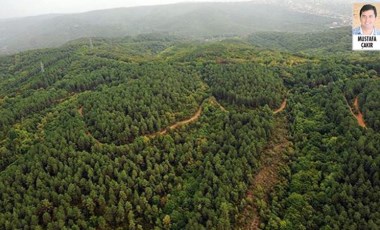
(22, 8)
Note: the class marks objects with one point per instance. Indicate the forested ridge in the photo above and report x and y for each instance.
(156, 132)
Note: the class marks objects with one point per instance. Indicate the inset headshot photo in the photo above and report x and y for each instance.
(366, 26)
(365, 19)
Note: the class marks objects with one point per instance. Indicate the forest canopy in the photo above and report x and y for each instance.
(156, 132)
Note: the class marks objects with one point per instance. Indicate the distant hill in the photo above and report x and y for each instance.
(193, 20)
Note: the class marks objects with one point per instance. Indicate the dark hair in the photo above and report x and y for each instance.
(368, 7)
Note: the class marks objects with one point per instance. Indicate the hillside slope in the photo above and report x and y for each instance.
(154, 132)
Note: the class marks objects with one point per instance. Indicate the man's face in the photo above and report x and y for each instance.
(367, 19)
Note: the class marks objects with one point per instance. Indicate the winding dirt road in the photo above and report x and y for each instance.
(180, 123)
(359, 116)
(282, 107)
(195, 116)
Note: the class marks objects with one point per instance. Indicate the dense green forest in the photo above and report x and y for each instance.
(154, 132)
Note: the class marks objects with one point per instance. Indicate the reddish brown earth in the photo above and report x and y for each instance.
(359, 115)
(272, 158)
